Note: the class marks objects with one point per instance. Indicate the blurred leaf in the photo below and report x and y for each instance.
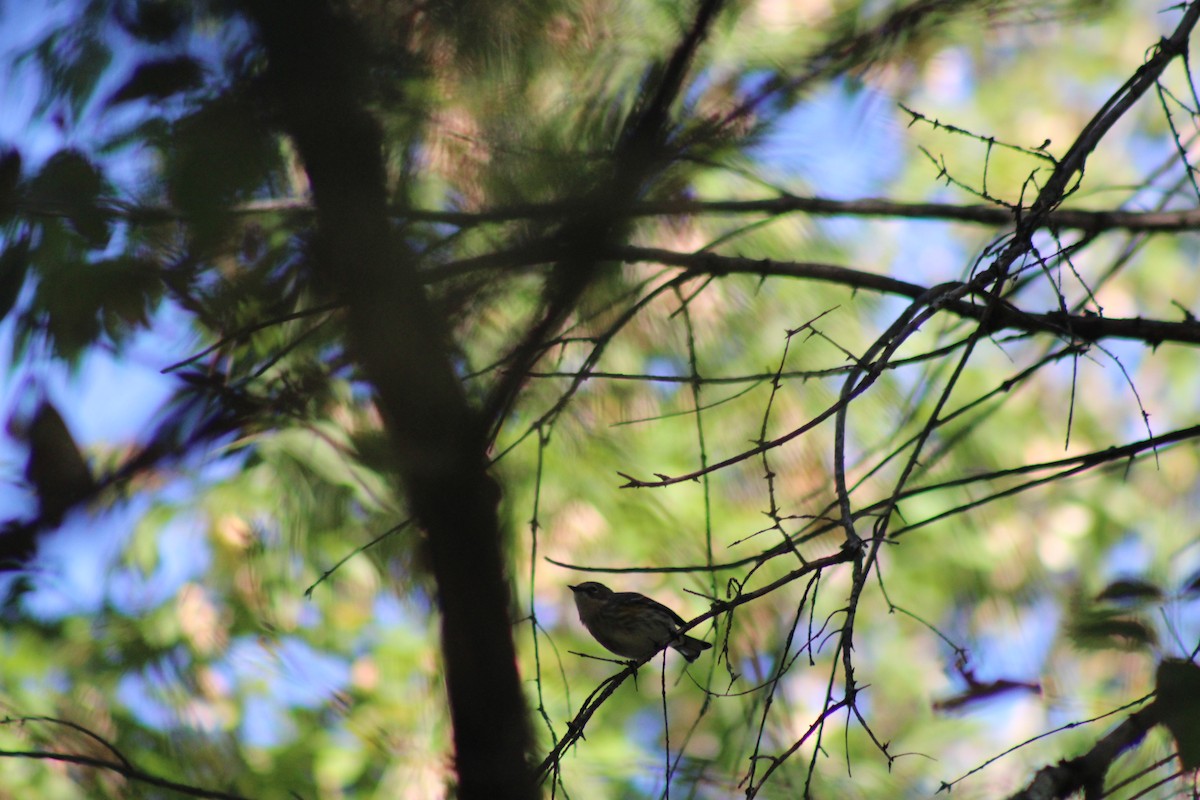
(1178, 688)
(126, 288)
(10, 175)
(14, 266)
(1130, 591)
(154, 21)
(1192, 587)
(73, 60)
(160, 79)
(56, 467)
(65, 176)
(64, 311)
(69, 182)
(79, 301)
(17, 543)
(219, 155)
(1110, 628)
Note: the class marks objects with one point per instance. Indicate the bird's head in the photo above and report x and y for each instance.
(590, 594)
(591, 589)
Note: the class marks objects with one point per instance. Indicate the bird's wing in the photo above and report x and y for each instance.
(641, 599)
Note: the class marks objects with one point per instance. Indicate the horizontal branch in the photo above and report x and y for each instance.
(870, 207)
(975, 214)
(1067, 466)
(1002, 316)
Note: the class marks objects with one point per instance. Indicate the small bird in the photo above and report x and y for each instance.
(631, 624)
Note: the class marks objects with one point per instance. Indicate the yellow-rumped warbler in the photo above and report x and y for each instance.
(631, 624)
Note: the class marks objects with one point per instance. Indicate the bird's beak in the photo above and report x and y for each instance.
(573, 588)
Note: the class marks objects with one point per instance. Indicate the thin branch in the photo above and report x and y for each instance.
(948, 786)
(124, 770)
(1087, 771)
(605, 690)
(1068, 466)
(1071, 166)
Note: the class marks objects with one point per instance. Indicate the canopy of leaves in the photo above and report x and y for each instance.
(862, 335)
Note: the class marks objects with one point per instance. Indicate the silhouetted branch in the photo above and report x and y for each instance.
(1003, 315)
(122, 768)
(1087, 771)
(1091, 221)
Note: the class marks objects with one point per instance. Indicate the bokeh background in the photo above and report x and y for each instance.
(247, 609)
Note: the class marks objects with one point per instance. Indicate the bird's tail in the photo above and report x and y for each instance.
(690, 648)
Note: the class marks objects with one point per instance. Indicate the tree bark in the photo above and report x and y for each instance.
(314, 82)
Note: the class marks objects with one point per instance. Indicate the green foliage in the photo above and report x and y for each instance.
(79, 301)
(218, 155)
(14, 266)
(267, 624)
(72, 60)
(71, 182)
(10, 173)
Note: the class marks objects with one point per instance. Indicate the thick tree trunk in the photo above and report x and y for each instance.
(401, 344)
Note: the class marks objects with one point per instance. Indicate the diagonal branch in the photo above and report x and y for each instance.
(1071, 166)
(1087, 771)
(640, 154)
